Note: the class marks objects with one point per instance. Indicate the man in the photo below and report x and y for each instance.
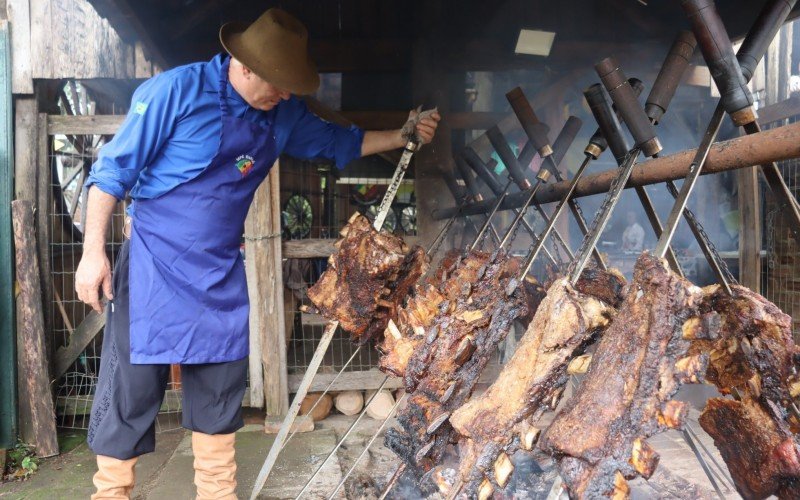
(633, 236)
(196, 143)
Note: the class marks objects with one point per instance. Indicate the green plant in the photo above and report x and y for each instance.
(21, 462)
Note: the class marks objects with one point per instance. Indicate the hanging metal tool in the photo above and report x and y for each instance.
(471, 160)
(517, 175)
(732, 73)
(707, 28)
(538, 136)
(412, 146)
(474, 190)
(462, 197)
(602, 111)
(565, 139)
(623, 96)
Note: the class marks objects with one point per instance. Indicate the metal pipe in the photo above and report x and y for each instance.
(778, 144)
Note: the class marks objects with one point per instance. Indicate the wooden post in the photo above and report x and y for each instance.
(37, 414)
(749, 228)
(430, 86)
(265, 286)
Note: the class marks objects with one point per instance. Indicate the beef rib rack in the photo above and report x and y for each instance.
(599, 437)
(367, 278)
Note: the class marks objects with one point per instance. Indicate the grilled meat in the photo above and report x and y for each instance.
(480, 300)
(751, 350)
(599, 435)
(749, 341)
(493, 425)
(756, 444)
(364, 278)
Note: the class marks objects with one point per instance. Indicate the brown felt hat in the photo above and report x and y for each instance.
(274, 47)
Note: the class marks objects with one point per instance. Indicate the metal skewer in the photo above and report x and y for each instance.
(472, 160)
(622, 94)
(538, 136)
(731, 76)
(411, 147)
(517, 175)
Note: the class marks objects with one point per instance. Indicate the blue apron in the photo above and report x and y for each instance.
(188, 292)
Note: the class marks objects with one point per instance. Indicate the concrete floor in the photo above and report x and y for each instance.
(168, 473)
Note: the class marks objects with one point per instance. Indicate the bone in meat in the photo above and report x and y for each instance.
(488, 424)
(365, 262)
(753, 439)
(749, 341)
(751, 350)
(625, 396)
(481, 302)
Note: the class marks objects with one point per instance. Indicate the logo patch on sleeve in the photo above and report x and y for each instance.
(244, 164)
(140, 108)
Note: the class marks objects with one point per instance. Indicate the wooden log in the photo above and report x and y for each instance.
(33, 376)
(265, 287)
(781, 143)
(349, 402)
(381, 404)
(86, 331)
(321, 410)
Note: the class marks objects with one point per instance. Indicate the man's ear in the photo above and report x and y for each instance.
(246, 72)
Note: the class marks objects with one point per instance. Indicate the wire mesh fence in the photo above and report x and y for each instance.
(317, 202)
(69, 160)
(781, 269)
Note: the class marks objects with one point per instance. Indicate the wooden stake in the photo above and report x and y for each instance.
(36, 403)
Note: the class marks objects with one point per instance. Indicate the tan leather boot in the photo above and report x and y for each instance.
(114, 478)
(214, 466)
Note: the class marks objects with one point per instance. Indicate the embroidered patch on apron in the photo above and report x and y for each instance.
(245, 164)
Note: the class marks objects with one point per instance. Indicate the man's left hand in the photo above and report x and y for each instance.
(426, 128)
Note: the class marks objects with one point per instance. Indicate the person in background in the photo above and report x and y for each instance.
(197, 142)
(633, 236)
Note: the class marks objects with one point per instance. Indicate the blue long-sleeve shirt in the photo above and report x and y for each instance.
(172, 132)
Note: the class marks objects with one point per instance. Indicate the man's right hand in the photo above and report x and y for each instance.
(94, 274)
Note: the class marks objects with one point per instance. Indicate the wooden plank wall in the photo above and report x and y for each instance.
(68, 39)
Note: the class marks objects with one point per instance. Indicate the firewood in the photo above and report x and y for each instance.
(321, 411)
(381, 404)
(349, 402)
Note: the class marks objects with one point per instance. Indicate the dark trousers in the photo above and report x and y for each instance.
(127, 397)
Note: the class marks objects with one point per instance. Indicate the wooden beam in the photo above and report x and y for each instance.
(387, 120)
(130, 27)
(265, 287)
(313, 248)
(84, 125)
(782, 143)
(37, 415)
(86, 331)
(780, 110)
(19, 16)
(749, 228)
(192, 15)
(353, 55)
(365, 380)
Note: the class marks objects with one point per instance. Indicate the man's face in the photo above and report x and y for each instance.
(258, 93)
